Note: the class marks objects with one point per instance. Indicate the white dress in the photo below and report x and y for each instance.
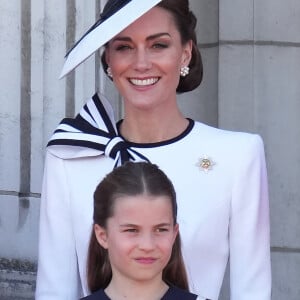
(223, 210)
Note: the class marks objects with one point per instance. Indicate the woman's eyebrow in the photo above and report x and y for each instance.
(157, 35)
(151, 37)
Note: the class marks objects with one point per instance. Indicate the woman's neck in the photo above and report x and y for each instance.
(119, 289)
(152, 127)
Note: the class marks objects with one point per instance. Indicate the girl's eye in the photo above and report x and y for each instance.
(131, 230)
(162, 229)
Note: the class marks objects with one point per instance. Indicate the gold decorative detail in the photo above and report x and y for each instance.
(205, 163)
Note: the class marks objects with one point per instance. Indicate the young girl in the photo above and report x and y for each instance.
(135, 250)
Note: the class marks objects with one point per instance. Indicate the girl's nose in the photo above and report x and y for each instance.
(147, 242)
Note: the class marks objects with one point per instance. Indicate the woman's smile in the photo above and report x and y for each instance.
(144, 82)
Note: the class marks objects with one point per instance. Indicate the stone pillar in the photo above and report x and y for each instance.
(259, 91)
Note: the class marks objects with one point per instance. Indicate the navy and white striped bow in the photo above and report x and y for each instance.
(92, 132)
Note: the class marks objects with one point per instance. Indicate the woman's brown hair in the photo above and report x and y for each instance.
(131, 179)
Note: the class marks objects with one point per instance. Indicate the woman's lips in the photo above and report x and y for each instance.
(144, 82)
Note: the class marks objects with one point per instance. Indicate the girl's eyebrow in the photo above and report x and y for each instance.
(135, 225)
(128, 225)
(163, 225)
(151, 37)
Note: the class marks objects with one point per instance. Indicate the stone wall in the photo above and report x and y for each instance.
(17, 279)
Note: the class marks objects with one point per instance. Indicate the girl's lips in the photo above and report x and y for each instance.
(143, 82)
(146, 260)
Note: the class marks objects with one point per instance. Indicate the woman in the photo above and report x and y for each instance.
(219, 176)
(135, 250)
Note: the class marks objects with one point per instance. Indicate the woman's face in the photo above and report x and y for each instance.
(146, 58)
(139, 237)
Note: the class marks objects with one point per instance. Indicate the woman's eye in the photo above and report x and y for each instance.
(123, 47)
(160, 45)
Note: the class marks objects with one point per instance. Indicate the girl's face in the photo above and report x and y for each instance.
(139, 237)
(146, 58)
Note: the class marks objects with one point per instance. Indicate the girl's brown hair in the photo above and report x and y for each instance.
(131, 179)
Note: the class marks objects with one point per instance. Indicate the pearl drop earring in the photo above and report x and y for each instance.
(184, 71)
(109, 73)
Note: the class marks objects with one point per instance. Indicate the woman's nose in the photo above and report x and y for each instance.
(142, 60)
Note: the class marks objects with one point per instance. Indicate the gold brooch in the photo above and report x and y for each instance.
(205, 163)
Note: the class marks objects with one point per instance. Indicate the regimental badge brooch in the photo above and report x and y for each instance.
(205, 164)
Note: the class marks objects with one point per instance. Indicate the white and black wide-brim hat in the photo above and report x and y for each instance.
(116, 16)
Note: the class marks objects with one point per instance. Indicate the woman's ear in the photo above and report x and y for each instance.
(187, 53)
(101, 235)
(106, 56)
